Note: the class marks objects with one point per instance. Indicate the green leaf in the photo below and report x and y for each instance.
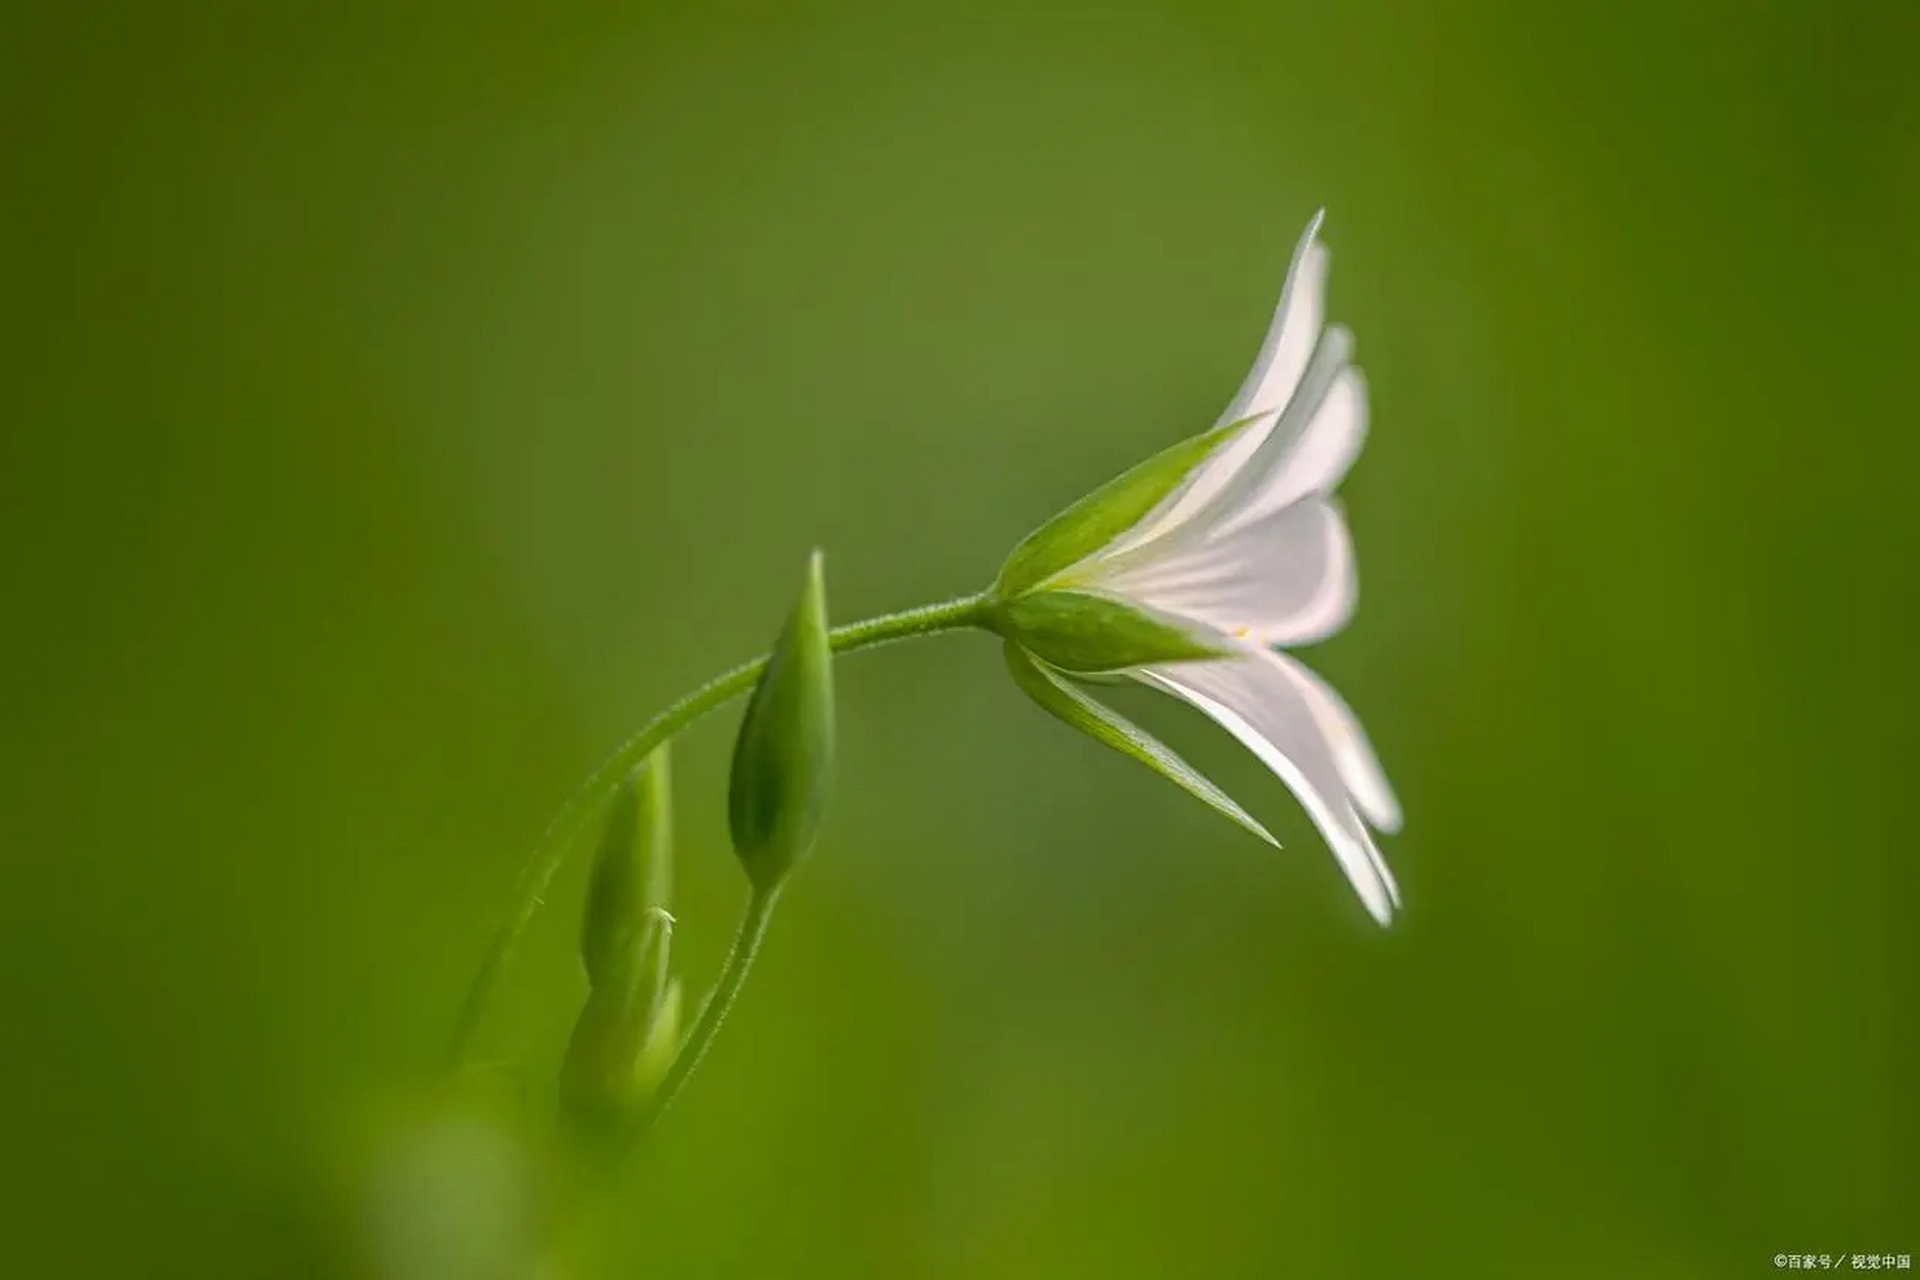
(1073, 706)
(632, 869)
(1083, 632)
(1107, 512)
(783, 758)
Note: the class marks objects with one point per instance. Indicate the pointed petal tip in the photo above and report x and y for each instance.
(1383, 880)
(1380, 895)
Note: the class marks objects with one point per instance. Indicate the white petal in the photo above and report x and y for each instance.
(1310, 450)
(1284, 580)
(1258, 700)
(1283, 359)
(1290, 335)
(1352, 752)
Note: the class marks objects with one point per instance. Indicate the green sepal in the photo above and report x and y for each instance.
(632, 869)
(663, 1043)
(1083, 632)
(1107, 512)
(1062, 699)
(783, 758)
(604, 1076)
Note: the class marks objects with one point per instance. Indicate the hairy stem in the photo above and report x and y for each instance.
(589, 803)
(746, 945)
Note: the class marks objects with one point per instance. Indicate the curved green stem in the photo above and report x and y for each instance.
(746, 945)
(590, 801)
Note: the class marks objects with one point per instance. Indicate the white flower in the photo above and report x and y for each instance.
(1192, 574)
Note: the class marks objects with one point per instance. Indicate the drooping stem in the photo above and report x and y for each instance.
(590, 801)
(746, 945)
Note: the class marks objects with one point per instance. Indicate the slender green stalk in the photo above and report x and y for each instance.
(590, 801)
(746, 945)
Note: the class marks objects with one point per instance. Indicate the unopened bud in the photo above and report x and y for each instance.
(783, 759)
(632, 870)
(609, 1069)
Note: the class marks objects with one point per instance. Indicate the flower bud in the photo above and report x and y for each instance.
(662, 1045)
(610, 1066)
(632, 870)
(783, 758)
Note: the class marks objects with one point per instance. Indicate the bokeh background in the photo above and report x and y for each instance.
(404, 402)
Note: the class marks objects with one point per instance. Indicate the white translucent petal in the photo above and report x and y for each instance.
(1291, 333)
(1260, 702)
(1283, 358)
(1283, 580)
(1309, 451)
(1352, 752)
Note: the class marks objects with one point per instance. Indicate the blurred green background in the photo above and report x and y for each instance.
(402, 403)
